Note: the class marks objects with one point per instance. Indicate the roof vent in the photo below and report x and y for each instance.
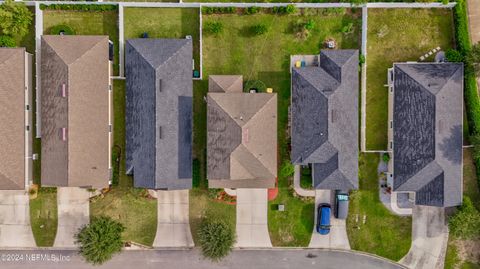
(63, 134)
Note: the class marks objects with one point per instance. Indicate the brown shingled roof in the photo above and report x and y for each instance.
(242, 140)
(12, 118)
(75, 111)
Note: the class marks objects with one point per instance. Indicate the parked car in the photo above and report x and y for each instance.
(341, 204)
(323, 218)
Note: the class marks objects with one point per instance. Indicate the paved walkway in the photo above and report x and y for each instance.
(429, 239)
(337, 238)
(15, 229)
(173, 226)
(296, 184)
(73, 213)
(252, 213)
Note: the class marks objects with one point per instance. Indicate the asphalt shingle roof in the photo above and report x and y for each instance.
(241, 137)
(80, 65)
(325, 119)
(427, 131)
(159, 112)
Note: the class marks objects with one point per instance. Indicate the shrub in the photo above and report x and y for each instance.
(290, 9)
(473, 58)
(287, 169)
(100, 240)
(361, 59)
(15, 18)
(445, 2)
(216, 238)
(62, 28)
(334, 11)
(347, 28)
(465, 224)
(454, 56)
(259, 29)
(213, 27)
(218, 10)
(79, 7)
(251, 10)
(7, 41)
(309, 25)
(386, 157)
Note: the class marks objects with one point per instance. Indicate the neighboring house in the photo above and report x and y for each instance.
(76, 111)
(159, 112)
(15, 118)
(324, 113)
(426, 131)
(241, 135)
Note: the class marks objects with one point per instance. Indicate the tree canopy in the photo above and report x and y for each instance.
(100, 240)
(15, 18)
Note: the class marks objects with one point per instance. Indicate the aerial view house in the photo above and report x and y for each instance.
(426, 131)
(16, 119)
(159, 112)
(76, 104)
(241, 135)
(324, 113)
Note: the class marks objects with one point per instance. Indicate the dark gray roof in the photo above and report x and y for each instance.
(159, 112)
(325, 119)
(427, 131)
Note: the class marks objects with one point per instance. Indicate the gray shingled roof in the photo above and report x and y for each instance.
(427, 132)
(159, 112)
(325, 119)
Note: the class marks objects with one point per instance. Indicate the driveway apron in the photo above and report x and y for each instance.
(429, 238)
(15, 229)
(252, 214)
(337, 238)
(73, 214)
(173, 226)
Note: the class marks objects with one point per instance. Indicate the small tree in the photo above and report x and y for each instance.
(15, 18)
(465, 224)
(454, 56)
(216, 238)
(361, 59)
(7, 41)
(309, 25)
(100, 240)
(213, 27)
(347, 28)
(251, 10)
(259, 29)
(291, 9)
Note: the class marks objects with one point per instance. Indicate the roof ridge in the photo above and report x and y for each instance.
(171, 56)
(230, 116)
(316, 88)
(7, 178)
(261, 109)
(416, 81)
(451, 77)
(254, 158)
(85, 53)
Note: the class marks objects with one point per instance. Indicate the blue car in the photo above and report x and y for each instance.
(323, 219)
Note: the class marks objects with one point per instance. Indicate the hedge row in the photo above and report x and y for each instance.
(218, 10)
(80, 7)
(472, 101)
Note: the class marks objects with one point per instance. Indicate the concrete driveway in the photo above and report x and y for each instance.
(173, 226)
(73, 213)
(337, 238)
(252, 215)
(429, 238)
(15, 229)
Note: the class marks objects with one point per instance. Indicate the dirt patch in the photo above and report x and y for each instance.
(468, 250)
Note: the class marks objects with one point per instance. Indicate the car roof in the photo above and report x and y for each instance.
(325, 216)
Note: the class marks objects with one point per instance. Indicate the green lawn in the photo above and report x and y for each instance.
(129, 205)
(43, 217)
(383, 234)
(398, 35)
(266, 58)
(86, 23)
(165, 23)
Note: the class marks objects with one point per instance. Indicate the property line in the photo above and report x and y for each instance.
(242, 5)
(121, 38)
(38, 44)
(363, 86)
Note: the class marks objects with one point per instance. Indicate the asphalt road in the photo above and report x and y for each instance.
(184, 259)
